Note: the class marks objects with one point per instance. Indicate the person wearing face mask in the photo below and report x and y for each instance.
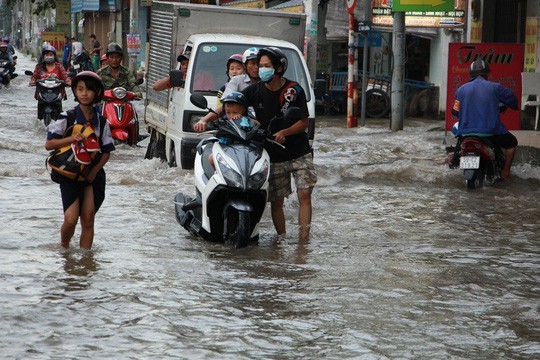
(49, 67)
(271, 97)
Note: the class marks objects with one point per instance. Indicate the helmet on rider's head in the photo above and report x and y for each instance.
(92, 81)
(235, 97)
(234, 57)
(249, 54)
(6, 39)
(48, 47)
(114, 48)
(277, 57)
(479, 67)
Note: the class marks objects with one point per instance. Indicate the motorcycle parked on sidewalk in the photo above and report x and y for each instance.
(230, 199)
(117, 107)
(49, 97)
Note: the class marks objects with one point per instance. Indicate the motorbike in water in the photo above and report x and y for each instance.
(49, 97)
(81, 62)
(5, 74)
(117, 107)
(230, 198)
(482, 161)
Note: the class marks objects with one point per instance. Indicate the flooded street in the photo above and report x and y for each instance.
(403, 261)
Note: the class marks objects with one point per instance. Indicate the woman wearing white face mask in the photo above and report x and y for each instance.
(49, 66)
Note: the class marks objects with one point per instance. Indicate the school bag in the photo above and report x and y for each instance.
(74, 160)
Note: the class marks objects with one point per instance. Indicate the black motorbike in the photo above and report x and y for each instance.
(49, 98)
(81, 62)
(6, 72)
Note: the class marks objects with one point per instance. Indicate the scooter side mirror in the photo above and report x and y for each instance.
(139, 81)
(176, 78)
(293, 114)
(15, 57)
(28, 72)
(199, 101)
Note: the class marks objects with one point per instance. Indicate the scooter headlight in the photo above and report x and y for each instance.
(232, 177)
(119, 93)
(257, 180)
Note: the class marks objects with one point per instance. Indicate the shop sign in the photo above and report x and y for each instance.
(63, 14)
(133, 43)
(505, 62)
(423, 5)
(56, 39)
(531, 44)
(381, 15)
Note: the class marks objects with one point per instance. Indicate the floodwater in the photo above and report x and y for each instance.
(403, 261)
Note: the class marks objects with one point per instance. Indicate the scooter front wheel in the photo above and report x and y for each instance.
(47, 118)
(238, 228)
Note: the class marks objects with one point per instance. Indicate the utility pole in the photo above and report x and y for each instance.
(398, 40)
(133, 29)
(311, 7)
(352, 121)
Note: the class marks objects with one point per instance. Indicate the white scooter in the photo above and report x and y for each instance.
(230, 199)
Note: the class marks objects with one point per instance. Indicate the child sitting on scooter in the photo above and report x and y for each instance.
(235, 107)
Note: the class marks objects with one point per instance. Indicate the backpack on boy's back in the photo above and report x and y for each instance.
(74, 160)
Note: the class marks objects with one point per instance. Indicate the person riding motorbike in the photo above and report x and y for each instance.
(116, 75)
(49, 67)
(10, 47)
(477, 108)
(6, 55)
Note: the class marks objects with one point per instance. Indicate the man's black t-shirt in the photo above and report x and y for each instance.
(268, 104)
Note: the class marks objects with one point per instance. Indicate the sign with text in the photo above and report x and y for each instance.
(381, 15)
(505, 62)
(63, 12)
(133, 43)
(531, 44)
(56, 39)
(423, 5)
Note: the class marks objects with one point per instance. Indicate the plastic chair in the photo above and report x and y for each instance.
(530, 86)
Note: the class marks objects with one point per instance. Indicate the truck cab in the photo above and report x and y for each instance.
(170, 118)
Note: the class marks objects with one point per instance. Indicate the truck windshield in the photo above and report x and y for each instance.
(210, 65)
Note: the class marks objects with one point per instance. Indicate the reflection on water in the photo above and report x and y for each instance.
(79, 266)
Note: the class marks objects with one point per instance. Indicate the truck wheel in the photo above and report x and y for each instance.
(172, 156)
(151, 149)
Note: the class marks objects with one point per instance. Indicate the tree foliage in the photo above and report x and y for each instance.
(41, 6)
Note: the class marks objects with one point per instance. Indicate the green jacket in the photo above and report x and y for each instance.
(125, 79)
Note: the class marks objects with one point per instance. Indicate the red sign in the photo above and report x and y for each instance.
(351, 4)
(505, 62)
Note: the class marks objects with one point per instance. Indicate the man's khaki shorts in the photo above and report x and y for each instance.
(303, 171)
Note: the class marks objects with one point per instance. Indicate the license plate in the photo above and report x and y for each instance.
(469, 162)
(77, 66)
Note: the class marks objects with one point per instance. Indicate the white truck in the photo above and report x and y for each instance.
(210, 34)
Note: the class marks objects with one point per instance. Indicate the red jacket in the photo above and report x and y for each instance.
(40, 72)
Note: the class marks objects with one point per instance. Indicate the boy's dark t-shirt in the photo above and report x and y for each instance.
(96, 47)
(268, 104)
